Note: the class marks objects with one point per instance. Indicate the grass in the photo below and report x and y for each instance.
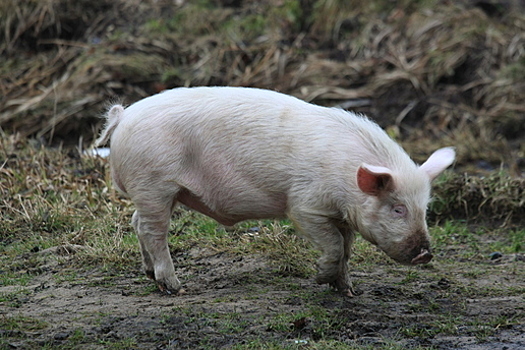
(21, 323)
(479, 242)
(55, 200)
(476, 197)
(393, 54)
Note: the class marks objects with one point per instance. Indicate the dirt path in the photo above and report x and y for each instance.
(231, 301)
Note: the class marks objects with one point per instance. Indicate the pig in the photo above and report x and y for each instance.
(236, 153)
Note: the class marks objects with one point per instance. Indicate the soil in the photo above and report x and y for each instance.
(232, 300)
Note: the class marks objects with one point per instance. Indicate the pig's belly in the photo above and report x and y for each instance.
(237, 209)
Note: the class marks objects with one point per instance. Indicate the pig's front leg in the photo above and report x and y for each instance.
(342, 282)
(335, 244)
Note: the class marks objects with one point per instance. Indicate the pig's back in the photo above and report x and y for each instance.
(248, 118)
(253, 124)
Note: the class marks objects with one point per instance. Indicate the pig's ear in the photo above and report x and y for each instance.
(374, 180)
(438, 161)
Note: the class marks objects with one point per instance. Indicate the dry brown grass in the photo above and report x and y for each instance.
(497, 199)
(50, 198)
(433, 73)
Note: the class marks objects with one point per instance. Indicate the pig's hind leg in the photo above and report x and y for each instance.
(151, 221)
(147, 261)
(335, 245)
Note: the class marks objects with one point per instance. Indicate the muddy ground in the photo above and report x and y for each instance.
(240, 301)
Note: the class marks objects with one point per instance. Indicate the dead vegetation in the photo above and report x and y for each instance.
(445, 73)
(497, 199)
(432, 73)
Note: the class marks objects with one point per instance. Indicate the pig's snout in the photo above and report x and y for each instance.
(414, 250)
(415, 256)
(423, 257)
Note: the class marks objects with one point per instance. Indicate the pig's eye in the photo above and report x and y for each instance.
(399, 210)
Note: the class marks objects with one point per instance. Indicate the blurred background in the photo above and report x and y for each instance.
(431, 72)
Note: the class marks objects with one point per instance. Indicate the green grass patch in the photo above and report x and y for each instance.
(288, 253)
(21, 323)
(458, 240)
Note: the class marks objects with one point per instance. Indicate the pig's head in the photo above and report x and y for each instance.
(393, 216)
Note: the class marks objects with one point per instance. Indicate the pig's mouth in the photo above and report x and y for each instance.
(423, 257)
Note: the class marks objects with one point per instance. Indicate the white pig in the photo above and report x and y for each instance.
(242, 153)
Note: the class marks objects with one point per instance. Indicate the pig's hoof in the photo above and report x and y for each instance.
(167, 290)
(343, 288)
(150, 274)
(339, 284)
(323, 278)
(348, 293)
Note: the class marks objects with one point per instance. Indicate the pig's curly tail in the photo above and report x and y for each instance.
(113, 118)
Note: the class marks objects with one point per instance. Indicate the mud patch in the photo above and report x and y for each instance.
(232, 300)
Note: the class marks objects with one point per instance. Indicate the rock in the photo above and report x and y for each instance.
(495, 255)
